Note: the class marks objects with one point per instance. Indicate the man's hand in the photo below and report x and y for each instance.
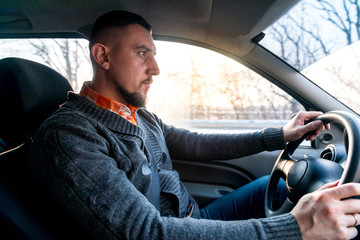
(298, 126)
(324, 215)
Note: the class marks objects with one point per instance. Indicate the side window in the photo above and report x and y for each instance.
(70, 57)
(205, 91)
(197, 88)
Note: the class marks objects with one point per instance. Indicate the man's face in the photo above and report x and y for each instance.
(132, 64)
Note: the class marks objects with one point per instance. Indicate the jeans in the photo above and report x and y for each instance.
(244, 203)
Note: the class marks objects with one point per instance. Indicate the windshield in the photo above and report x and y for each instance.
(321, 39)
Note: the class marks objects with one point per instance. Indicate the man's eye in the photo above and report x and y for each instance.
(142, 53)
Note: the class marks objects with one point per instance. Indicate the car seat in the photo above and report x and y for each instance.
(29, 93)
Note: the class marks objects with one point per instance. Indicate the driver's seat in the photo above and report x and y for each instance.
(29, 93)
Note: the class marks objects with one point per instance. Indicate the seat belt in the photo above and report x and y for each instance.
(154, 191)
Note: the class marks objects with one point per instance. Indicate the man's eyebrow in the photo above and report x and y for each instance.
(146, 48)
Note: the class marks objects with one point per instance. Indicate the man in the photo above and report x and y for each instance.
(107, 161)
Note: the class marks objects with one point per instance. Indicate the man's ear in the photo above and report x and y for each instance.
(100, 55)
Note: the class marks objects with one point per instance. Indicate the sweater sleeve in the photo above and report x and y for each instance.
(184, 144)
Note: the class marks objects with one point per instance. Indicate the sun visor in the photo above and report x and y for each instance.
(237, 17)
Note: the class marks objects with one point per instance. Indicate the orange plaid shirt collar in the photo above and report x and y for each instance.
(128, 112)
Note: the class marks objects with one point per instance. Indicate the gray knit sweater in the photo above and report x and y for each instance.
(93, 163)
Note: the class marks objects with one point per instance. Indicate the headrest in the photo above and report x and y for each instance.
(29, 93)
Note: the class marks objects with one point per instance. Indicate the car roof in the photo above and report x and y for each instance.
(228, 25)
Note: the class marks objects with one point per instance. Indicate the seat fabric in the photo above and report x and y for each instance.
(29, 93)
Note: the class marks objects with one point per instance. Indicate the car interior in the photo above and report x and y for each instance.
(30, 92)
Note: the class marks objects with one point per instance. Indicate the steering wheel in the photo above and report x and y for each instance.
(307, 175)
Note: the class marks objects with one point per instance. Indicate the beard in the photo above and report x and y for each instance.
(135, 99)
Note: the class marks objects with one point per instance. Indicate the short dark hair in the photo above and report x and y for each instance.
(116, 18)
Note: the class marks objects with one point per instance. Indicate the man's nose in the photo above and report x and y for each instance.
(153, 67)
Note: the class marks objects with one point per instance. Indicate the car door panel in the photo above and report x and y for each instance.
(207, 181)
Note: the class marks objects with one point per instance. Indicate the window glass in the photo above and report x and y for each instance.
(69, 57)
(197, 88)
(321, 40)
(201, 89)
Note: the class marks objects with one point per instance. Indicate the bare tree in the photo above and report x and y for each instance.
(234, 85)
(310, 36)
(64, 55)
(341, 17)
(198, 107)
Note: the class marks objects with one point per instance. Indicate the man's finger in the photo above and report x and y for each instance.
(352, 220)
(346, 190)
(330, 185)
(351, 205)
(311, 115)
(316, 126)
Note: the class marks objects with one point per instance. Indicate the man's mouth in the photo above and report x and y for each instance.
(147, 83)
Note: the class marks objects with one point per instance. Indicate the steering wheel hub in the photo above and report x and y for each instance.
(308, 175)
(297, 172)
